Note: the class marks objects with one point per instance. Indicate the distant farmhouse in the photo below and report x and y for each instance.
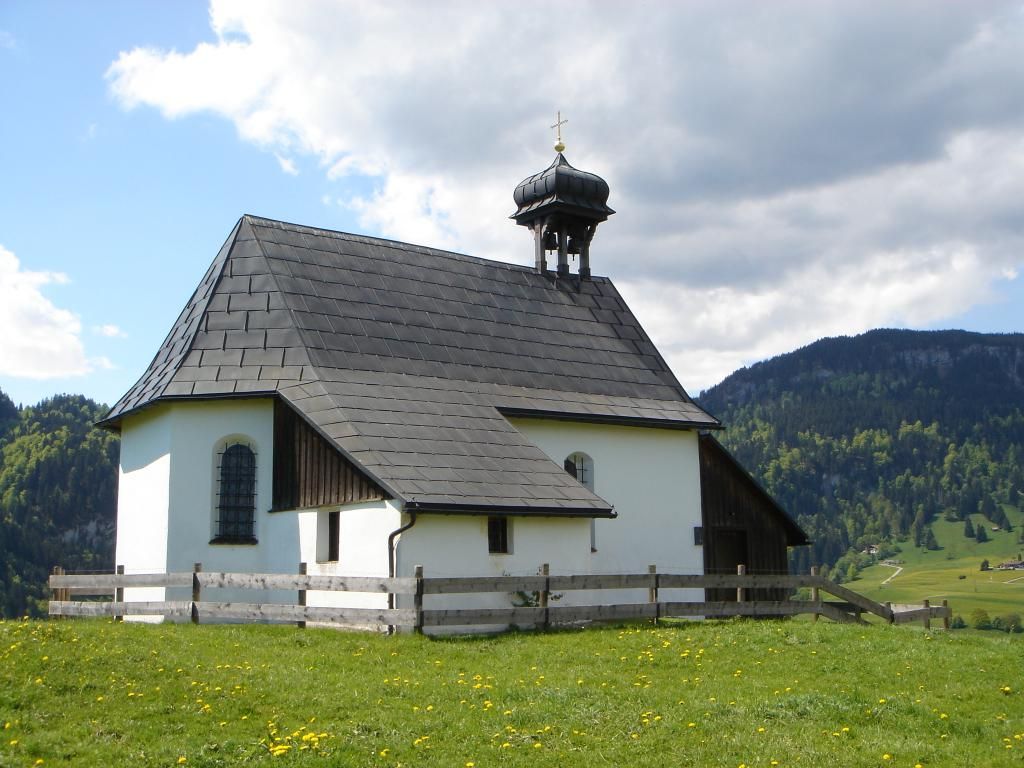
(365, 406)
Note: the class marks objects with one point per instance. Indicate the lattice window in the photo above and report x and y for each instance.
(236, 494)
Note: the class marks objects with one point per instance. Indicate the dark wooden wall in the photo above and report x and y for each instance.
(733, 505)
(309, 471)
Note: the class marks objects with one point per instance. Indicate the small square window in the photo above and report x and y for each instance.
(333, 536)
(328, 536)
(698, 535)
(497, 535)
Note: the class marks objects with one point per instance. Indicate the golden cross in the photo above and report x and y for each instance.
(559, 122)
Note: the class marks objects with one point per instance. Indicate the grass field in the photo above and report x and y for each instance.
(935, 575)
(743, 693)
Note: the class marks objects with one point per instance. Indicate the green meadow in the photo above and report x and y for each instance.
(736, 693)
(954, 572)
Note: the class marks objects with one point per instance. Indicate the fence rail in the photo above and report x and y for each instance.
(538, 590)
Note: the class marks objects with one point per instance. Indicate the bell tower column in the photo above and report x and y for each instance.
(562, 207)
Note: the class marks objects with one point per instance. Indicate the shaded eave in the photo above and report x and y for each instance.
(114, 425)
(597, 418)
(797, 536)
(508, 510)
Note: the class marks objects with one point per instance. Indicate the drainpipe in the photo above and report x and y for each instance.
(391, 551)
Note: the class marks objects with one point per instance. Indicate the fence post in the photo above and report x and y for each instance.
(928, 616)
(741, 592)
(815, 592)
(545, 571)
(652, 592)
(119, 593)
(196, 591)
(888, 609)
(302, 595)
(418, 600)
(55, 592)
(945, 614)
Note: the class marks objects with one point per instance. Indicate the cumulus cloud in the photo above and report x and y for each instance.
(287, 165)
(110, 330)
(38, 340)
(782, 171)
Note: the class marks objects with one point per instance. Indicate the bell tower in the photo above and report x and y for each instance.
(562, 206)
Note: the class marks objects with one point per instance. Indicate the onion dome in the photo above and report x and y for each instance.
(562, 189)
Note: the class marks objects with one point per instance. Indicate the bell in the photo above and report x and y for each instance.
(550, 241)
(574, 245)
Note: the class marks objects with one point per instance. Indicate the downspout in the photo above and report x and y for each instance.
(391, 551)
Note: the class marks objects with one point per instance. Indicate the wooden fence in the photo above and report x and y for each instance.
(537, 610)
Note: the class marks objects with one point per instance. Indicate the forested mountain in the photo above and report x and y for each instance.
(58, 496)
(866, 440)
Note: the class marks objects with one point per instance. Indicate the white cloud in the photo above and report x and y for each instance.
(110, 330)
(38, 340)
(781, 171)
(287, 165)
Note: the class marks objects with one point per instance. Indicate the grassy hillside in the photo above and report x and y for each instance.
(936, 574)
(88, 693)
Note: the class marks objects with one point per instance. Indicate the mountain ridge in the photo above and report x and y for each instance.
(870, 438)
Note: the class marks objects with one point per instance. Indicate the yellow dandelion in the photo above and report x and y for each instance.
(182, 760)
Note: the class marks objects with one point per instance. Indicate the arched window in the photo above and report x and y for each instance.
(236, 494)
(581, 466)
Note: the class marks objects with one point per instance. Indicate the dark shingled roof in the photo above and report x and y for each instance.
(407, 357)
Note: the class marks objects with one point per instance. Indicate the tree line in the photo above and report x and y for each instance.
(58, 496)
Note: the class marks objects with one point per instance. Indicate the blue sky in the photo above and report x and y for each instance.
(781, 172)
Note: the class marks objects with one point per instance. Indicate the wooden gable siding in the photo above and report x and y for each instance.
(309, 471)
(734, 509)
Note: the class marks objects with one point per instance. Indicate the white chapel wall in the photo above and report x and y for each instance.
(199, 429)
(652, 478)
(363, 530)
(143, 498)
(457, 545)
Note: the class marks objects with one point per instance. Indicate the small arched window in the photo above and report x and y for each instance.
(236, 494)
(581, 466)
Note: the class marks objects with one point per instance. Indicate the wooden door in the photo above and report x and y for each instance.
(726, 549)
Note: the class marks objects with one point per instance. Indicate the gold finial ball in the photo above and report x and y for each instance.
(559, 147)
